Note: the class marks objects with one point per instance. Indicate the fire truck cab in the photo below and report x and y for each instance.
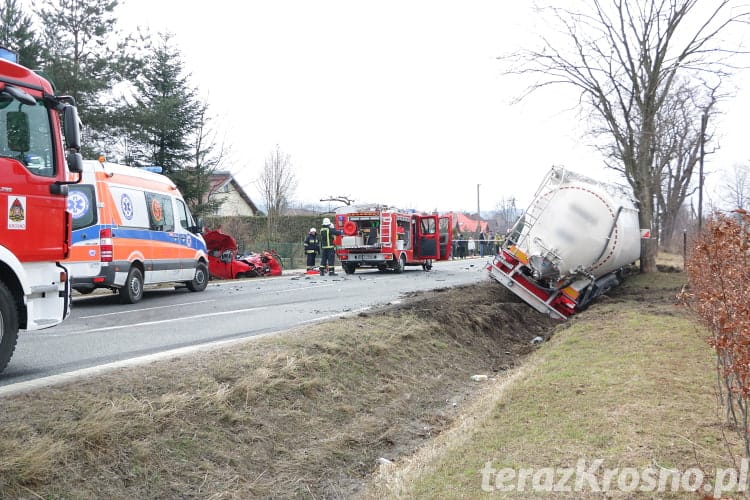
(386, 238)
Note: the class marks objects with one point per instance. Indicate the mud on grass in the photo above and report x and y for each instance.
(306, 413)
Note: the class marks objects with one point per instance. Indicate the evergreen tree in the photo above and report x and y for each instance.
(85, 56)
(166, 110)
(169, 127)
(17, 33)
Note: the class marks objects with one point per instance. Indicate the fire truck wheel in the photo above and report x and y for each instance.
(427, 265)
(132, 292)
(401, 264)
(349, 268)
(8, 326)
(200, 280)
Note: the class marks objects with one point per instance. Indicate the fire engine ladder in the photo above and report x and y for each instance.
(385, 229)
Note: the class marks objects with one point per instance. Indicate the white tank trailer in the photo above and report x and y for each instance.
(571, 244)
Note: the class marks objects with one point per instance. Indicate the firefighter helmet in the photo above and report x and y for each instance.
(326, 221)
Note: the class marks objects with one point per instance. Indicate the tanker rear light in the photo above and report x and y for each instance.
(106, 249)
(515, 252)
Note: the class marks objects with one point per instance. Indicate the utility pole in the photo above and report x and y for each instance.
(704, 122)
(479, 217)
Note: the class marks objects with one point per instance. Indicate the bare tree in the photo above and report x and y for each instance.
(276, 184)
(624, 57)
(679, 144)
(208, 155)
(736, 190)
(505, 214)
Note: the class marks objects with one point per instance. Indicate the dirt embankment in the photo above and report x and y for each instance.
(308, 413)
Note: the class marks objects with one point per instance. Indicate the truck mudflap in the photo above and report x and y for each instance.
(506, 270)
(47, 303)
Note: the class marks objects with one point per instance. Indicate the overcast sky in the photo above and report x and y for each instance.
(396, 102)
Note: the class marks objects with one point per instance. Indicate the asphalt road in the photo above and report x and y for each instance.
(102, 334)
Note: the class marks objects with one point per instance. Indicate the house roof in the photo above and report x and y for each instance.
(220, 178)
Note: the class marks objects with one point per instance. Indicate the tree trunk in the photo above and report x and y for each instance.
(650, 245)
(649, 250)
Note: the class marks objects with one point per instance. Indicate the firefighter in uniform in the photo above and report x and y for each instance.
(312, 248)
(328, 249)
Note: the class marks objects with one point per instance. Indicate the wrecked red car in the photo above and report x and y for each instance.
(224, 263)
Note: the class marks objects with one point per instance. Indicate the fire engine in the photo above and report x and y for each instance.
(36, 170)
(388, 238)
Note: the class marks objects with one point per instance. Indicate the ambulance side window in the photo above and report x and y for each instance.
(186, 221)
(160, 212)
(82, 205)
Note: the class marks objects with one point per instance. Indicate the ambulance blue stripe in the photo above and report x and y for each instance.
(185, 239)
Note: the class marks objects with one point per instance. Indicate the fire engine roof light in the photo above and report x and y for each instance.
(8, 55)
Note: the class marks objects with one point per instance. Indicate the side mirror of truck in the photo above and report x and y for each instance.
(72, 127)
(198, 227)
(75, 162)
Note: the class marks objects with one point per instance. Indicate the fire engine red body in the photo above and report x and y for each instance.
(35, 230)
(385, 238)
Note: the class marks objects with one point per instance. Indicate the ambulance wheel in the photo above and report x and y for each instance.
(349, 268)
(200, 280)
(401, 264)
(132, 292)
(8, 326)
(427, 265)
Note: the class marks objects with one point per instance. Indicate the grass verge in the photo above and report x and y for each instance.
(631, 381)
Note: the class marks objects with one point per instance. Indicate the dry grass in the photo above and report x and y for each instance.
(304, 414)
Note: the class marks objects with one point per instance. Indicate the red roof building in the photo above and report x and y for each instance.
(468, 224)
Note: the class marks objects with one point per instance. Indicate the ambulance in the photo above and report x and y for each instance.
(131, 228)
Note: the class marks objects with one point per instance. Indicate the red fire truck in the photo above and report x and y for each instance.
(36, 168)
(387, 238)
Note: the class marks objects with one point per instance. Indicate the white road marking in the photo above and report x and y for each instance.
(140, 309)
(181, 318)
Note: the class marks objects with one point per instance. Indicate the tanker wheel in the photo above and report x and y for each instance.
(401, 264)
(132, 292)
(427, 265)
(349, 268)
(8, 326)
(200, 279)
